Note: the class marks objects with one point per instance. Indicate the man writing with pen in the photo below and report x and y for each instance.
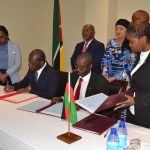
(41, 77)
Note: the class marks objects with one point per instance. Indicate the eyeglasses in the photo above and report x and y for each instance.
(80, 67)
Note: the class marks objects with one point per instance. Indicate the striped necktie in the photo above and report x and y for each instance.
(85, 47)
(77, 93)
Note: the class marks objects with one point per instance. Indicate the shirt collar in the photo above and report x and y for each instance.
(40, 70)
(87, 77)
(88, 42)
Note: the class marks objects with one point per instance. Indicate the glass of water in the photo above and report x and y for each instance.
(135, 143)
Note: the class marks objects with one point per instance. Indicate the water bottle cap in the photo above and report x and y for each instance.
(122, 124)
(113, 131)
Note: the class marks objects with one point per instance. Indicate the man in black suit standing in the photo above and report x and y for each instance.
(41, 77)
(91, 45)
(92, 83)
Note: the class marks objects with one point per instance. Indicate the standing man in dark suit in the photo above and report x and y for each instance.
(91, 45)
(41, 77)
(92, 83)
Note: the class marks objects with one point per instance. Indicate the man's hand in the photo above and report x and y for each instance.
(8, 88)
(129, 102)
(57, 99)
(110, 79)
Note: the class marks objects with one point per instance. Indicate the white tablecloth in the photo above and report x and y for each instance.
(21, 130)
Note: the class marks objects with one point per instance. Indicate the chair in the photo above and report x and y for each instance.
(63, 77)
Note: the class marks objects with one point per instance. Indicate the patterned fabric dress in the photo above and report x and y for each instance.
(117, 63)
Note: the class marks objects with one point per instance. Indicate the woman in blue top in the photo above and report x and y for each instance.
(10, 59)
(118, 59)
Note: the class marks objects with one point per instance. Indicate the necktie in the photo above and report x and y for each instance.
(84, 47)
(36, 76)
(77, 93)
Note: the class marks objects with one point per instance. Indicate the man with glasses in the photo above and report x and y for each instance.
(89, 82)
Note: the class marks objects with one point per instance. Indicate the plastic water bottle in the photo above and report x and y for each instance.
(122, 133)
(113, 140)
(123, 115)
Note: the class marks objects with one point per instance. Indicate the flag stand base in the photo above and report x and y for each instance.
(69, 137)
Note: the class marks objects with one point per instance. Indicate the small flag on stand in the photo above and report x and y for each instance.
(70, 108)
(71, 114)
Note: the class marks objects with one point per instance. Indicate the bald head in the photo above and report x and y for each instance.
(38, 54)
(84, 64)
(87, 57)
(88, 32)
(37, 59)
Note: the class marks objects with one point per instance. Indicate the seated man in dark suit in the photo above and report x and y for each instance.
(91, 82)
(41, 77)
(91, 45)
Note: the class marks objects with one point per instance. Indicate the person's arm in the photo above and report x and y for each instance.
(23, 83)
(106, 63)
(73, 58)
(17, 61)
(51, 90)
(97, 57)
(131, 59)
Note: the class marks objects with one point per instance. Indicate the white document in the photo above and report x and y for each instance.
(34, 106)
(55, 110)
(91, 103)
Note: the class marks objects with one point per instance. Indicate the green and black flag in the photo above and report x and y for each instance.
(57, 50)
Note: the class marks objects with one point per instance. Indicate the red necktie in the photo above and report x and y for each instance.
(84, 47)
(77, 93)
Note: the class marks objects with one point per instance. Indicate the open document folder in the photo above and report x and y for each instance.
(45, 106)
(100, 102)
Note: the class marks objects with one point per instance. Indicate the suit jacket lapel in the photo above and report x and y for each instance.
(89, 87)
(74, 78)
(146, 61)
(91, 45)
(43, 73)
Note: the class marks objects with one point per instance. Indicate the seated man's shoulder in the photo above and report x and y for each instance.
(98, 77)
(52, 69)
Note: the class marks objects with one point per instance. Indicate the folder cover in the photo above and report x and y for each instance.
(100, 102)
(95, 123)
(111, 102)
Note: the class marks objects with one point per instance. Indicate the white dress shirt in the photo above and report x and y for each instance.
(40, 71)
(143, 57)
(88, 43)
(83, 85)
